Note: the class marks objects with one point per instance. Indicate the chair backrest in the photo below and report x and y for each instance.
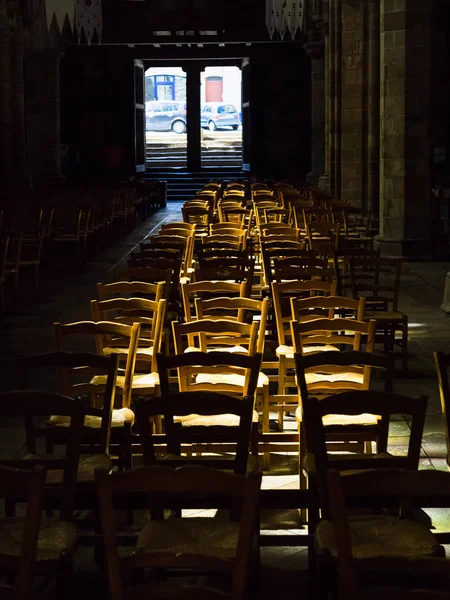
(315, 307)
(130, 289)
(35, 404)
(217, 334)
(282, 292)
(76, 370)
(361, 402)
(377, 279)
(107, 335)
(179, 485)
(332, 332)
(229, 273)
(238, 309)
(341, 258)
(321, 374)
(207, 289)
(391, 485)
(28, 485)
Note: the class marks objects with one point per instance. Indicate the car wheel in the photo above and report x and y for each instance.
(235, 127)
(179, 127)
(212, 126)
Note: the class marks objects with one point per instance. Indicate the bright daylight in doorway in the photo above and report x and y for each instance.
(220, 117)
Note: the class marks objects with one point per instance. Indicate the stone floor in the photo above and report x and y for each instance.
(27, 328)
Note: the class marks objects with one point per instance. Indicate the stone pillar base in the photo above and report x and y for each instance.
(412, 249)
(324, 182)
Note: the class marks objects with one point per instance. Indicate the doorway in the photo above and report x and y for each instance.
(221, 117)
(165, 117)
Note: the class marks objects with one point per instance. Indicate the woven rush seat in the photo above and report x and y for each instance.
(86, 467)
(124, 351)
(119, 417)
(226, 420)
(210, 537)
(140, 382)
(363, 419)
(381, 536)
(309, 462)
(288, 351)
(55, 537)
(235, 349)
(230, 378)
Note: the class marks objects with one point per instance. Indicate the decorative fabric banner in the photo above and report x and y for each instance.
(284, 15)
(61, 9)
(88, 19)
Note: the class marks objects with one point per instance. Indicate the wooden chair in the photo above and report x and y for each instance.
(57, 538)
(230, 273)
(226, 419)
(107, 335)
(243, 310)
(341, 258)
(395, 556)
(328, 373)
(20, 558)
(378, 280)
(159, 542)
(282, 294)
(75, 370)
(150, 314)
(319, 460)
(442, 362)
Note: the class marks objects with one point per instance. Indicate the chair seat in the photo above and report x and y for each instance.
(226, 420)
(373, 536)
(288, 351)
(309, 461)
(252, 461)
(141, 383)
(234, 349)
(382, 315)
(230, 378)
(55, 537)
(86, 467)
(196, 535)
(364, 419)
(311, 378)
(119, 417)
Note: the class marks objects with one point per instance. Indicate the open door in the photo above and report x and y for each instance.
(139, 116)
(246, 114)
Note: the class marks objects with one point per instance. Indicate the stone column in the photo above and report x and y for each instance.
(194, 147)
(323, 25)
(372, 106)
(352, 102)
(405, 127)
(315, 51)
(337, 96)
(43, 116)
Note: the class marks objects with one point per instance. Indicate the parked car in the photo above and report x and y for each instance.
(165, 115)
(215, 115)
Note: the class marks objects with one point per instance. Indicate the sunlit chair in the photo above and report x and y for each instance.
(207, 289)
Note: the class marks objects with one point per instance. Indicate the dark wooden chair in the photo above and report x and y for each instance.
(19, 558)
(192, 544)
(378, 280)
(398, 561)
(57, 538)
(318, 460)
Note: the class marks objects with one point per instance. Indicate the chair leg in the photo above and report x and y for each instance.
(281, 386)
(266, 424)
(36, 281)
